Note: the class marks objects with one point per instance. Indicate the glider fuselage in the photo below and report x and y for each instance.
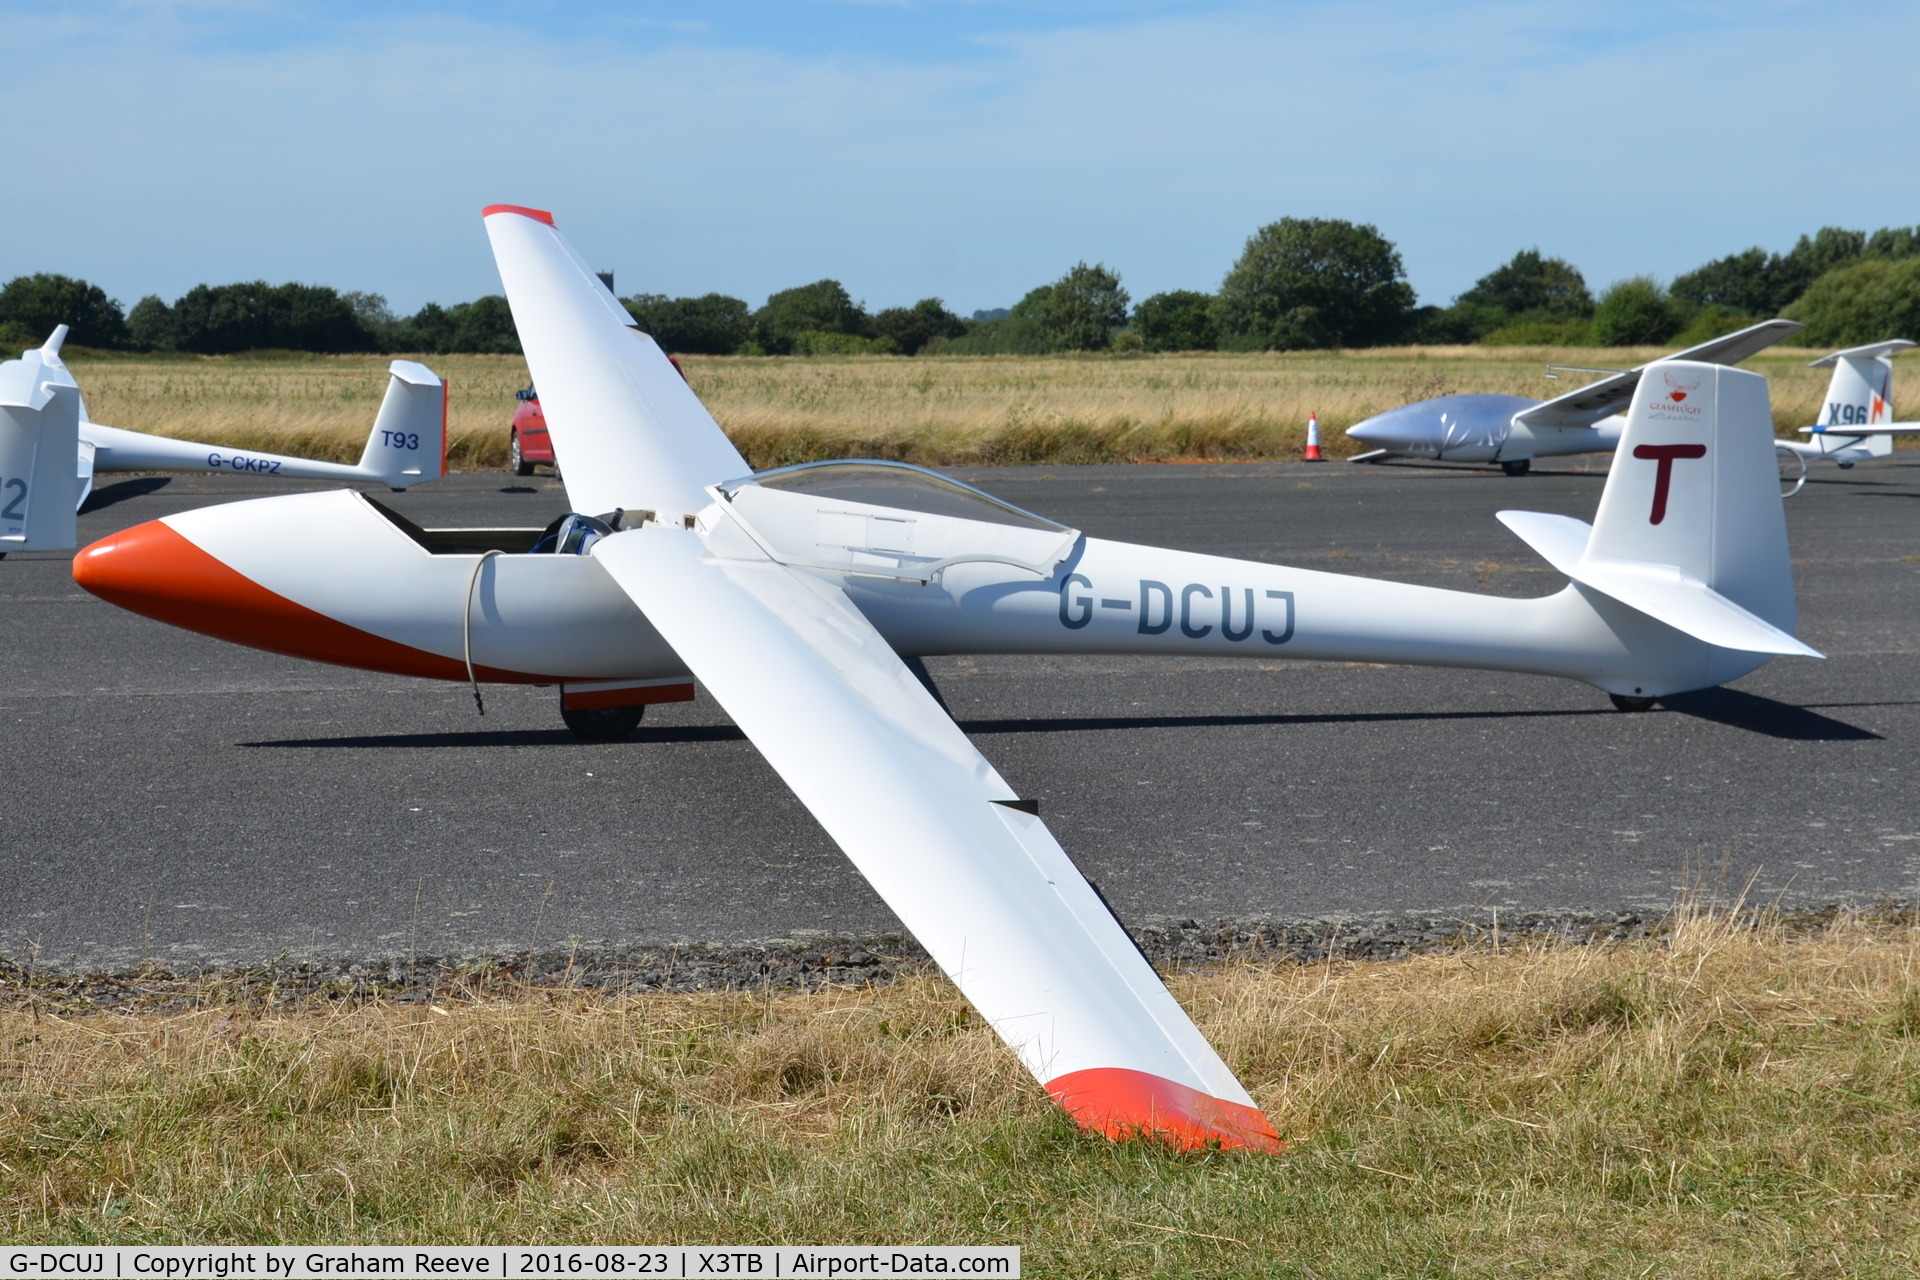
(333, 578)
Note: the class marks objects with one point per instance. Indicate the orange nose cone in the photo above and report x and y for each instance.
(148, 569)
(154, 570)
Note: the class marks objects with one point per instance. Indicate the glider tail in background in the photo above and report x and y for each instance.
(406, 446)
(39, 437)
(1859, 394)
(408, 442)
(1690, 529)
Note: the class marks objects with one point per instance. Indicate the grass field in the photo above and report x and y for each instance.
(935, 411)
(1730, 1101)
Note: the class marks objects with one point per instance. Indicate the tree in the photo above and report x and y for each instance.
(150, 325)
(1634, 312)
(41, 303)
(484, 326)
(1757, 283)
(1313, 282)
(712, 324)
(1893, 242)
(1179, 320)
(823, 306)
(1746, 282)
(1017, 330)
(1080, 310)
(1864, 301)
(1533, 287)
(912, 328)
(254, 315)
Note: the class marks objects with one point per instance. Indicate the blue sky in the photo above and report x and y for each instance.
(969, 149)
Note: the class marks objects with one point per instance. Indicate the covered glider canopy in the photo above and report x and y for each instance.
(724, 569)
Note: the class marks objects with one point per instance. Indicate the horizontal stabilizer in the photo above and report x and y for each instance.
(1664, 592)
(1872, 351)
(1881, 429)
(1685, 603)
(1560, 540)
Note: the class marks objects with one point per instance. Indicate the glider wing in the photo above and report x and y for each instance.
(968, 867)
(1610, 395)
(628, 432)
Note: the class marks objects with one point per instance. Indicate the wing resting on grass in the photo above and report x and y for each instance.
(966, 866)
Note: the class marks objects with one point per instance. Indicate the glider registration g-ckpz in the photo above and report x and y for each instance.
(794, 594)
(50, 450)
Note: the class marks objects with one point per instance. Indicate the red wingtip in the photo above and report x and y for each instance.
(1121, 1103)
(538, 215)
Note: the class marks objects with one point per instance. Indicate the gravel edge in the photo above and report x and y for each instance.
(812, 962)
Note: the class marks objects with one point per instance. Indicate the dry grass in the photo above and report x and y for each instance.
(1736, 1102)
(935, 411)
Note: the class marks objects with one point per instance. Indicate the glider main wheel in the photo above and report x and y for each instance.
(515, 461)
(1630, 702)
(603, 724)
(1517, 466)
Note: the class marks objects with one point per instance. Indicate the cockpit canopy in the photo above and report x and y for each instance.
(889, 519)
(899, 485)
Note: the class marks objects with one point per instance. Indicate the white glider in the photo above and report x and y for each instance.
(1856, 422)
(794, 594)
(1514, 430)
(406, 446)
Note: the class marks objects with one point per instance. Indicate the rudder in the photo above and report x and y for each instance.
(1859, 394)
(408, 443)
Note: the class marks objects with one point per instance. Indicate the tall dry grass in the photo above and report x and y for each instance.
(1733, 1101)
(937, 411)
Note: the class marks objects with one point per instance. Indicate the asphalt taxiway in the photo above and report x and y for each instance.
(175, 798)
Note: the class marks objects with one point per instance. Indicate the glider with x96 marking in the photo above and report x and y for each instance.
(794, 594)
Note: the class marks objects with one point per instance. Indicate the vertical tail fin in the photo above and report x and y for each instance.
(1860, 394)
(1690, 528)
(408, 441)
(39, 440)
(50, 350)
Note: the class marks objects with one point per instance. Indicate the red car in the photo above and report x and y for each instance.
(529, 444)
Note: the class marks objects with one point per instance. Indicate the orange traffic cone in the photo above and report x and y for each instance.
(1313, 439)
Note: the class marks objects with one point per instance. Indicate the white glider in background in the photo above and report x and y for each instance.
(1857, 415)
(1514, 430)
(406, 446)
(794, 595)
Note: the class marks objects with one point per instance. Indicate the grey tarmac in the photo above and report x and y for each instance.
(177, 799)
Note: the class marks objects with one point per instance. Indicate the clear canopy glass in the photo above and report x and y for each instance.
(895, 484)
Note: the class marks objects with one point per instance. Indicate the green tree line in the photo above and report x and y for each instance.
(1299, 283)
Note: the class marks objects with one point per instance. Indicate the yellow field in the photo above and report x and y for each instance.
(937, 411)
(1731, 1102)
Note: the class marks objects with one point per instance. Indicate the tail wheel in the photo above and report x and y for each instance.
(603, 724)
(1630, 702)
(1517, 466)
(516, 462)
